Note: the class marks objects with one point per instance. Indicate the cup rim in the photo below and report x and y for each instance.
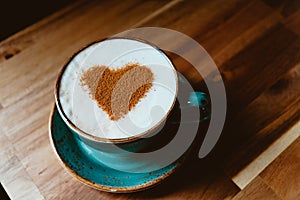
(84, 134)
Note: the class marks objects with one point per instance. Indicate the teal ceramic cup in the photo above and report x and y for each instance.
(117, 153)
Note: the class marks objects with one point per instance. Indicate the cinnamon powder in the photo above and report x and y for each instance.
(117, 91)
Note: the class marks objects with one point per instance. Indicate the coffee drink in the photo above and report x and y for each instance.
(117, 88)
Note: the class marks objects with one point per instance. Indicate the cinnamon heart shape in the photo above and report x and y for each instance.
(117, 91)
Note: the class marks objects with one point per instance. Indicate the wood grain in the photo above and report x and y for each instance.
(238, 31)
(25, 38)
(263, 122)
(282, 175)
(256, 46)
(14, 177)
(293, 22)
(261, 59)
(257, 165)
(257, 190)
(285, 7)
(196, 180)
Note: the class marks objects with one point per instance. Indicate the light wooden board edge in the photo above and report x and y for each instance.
(250, 172)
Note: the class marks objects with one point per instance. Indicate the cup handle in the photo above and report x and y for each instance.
(194, 100)
(197, 100)
(200, 100)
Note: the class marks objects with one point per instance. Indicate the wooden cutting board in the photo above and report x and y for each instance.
(255, 44)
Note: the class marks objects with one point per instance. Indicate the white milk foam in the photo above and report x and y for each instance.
(152, 109)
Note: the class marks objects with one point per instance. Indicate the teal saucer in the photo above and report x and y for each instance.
(92, 172)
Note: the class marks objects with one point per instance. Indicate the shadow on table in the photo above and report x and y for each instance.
(199, 177)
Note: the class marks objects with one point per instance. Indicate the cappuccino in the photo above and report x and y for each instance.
(109, 69)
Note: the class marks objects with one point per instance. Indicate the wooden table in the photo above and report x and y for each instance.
(256, 45)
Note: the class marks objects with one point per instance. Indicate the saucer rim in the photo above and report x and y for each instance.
(104, 188)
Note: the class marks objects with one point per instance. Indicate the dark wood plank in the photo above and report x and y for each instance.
(283, 175)
(293, 22)
(285, 7)
(238, 40)
(3, 194)
(195, 18)
(238, 31)
(229, 34)
(257, 190)
(265, 120)
(260, 65)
